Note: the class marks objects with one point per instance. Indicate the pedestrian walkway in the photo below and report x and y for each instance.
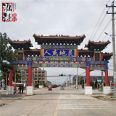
(81, 102)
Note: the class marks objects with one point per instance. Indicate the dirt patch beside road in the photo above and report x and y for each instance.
(6, 99)
(105, 97)
(5, 102)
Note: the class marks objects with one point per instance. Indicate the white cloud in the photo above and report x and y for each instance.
(73, 17)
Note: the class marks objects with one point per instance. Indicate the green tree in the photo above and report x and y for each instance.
(6, 52)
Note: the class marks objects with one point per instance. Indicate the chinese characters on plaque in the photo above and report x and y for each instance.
(8, 12)
(58, 52)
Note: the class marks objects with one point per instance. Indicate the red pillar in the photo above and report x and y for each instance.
(10, 78)
(106, 78)
(87, 76)
(29, 75)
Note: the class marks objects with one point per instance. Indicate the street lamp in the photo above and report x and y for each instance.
(114, 59)
(6, 62)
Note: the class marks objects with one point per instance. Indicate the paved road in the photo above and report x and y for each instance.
(59, 103)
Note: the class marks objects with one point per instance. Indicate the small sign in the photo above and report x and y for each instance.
(8, 12)
(52, 59)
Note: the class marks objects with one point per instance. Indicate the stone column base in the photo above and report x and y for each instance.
(29, 90)
(106, 90)
(10, 90)
(88, 90)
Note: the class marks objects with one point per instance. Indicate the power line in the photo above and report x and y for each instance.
(95, 32)
(110, 30)
(97, 27)
(104, 29)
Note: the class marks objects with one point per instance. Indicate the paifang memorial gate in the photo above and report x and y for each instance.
(62, 51)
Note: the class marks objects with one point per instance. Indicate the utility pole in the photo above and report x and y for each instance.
(113, 43)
